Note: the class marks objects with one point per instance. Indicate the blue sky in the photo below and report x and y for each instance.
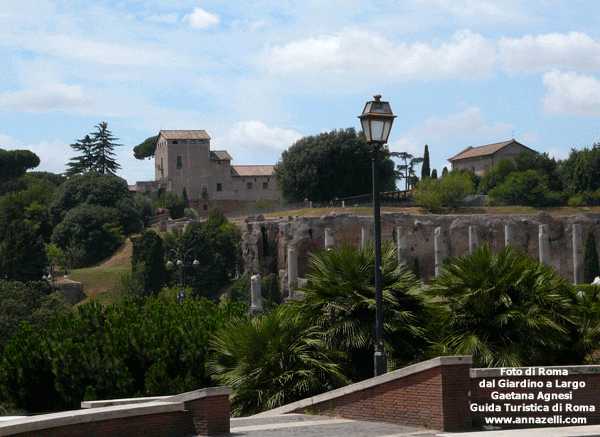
(258, 75)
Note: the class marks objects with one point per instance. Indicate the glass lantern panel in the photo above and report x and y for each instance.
(366, 128)
(378, 130)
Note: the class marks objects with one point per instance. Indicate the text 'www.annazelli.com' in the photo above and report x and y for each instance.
(552, 420)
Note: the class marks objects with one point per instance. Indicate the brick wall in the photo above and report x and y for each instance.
(201, 412)
(432, 394)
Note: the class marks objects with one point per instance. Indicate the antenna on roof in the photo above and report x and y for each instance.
(513, 135)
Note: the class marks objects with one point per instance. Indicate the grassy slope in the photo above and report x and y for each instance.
(99, 282)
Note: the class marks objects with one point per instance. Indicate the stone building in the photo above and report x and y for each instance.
(183, 158)
(480, 159)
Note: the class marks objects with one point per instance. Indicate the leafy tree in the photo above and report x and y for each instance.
(449, 191)
(148, 262)
(215, 244)
(88, 234)
(496, 176)
(340, 299)
(525, 188)
(271, 361)
(175, 204)
(505, 310)
(591, 266)
(331, 165)
(14, 163)
(22, 255)
(425, 168)
(26, 302)
(145, 149)
(97, 189)
(269, 288)
(581, 171)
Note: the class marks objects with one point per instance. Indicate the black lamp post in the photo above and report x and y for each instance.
(376, 120)
(181, 266)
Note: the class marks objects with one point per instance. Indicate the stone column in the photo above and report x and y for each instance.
(328, 238)
(255, 293)
(473, 242)
(401, 244)
(509, 235)
(292, 272)
(577, 255)
(365, 237)
(343, 203)
(439, 255)
(544, 244)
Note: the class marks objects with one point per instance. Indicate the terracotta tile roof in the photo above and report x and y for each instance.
(252, 170)
(220, 155)
(184, 134)
(490, 149)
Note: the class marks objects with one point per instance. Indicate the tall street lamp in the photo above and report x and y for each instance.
(181, 265)
(376, 120)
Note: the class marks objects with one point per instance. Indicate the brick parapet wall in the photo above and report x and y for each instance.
(201, 412)
(430, 394)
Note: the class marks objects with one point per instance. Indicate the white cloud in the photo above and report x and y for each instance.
(201, 19)
(259, 138)
(51, 97)
(571, 94)
(53, 155)
(574, 50)
(356, 51)
(435, 131)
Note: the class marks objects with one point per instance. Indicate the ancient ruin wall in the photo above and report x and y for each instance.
(265, 243)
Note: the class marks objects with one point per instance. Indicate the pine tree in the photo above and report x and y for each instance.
(425, 168)
(444, 171)
(591, 267)
(84, 162)
(103, 154)
(434, 174)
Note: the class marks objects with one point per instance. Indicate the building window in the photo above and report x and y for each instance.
(205, 207)
(193, 141)
(219, 162)
(265, 185)
(200, 141)
(182, 141)
(174, 141)
(179, 165)
(219, 187)
(249, 185)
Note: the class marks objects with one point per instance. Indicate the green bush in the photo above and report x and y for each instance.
(449, 191)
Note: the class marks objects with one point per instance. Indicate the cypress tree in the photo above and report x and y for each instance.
(591, 267)
(425, 168)
(444, 171)
(434, 174)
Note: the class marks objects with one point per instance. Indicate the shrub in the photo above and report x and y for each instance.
(449, 191)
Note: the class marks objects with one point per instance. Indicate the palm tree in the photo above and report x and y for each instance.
(340, 299)
(271, 361)
(504, 310)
